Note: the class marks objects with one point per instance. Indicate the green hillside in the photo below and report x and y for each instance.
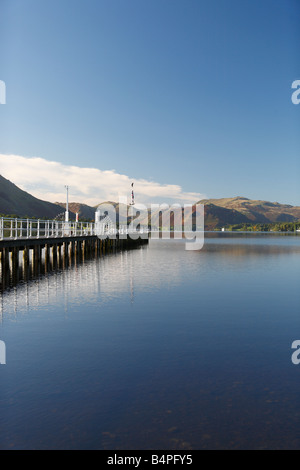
(14, 201)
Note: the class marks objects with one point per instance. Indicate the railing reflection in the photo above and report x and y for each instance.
(107, 275)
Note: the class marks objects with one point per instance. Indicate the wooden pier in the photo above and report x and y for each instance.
(44, 248)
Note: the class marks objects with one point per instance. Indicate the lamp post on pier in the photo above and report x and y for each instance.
(67, 205)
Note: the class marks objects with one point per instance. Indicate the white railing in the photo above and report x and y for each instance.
(15, 229)
(31, 228)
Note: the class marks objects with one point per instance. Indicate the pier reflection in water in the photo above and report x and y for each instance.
(37, 257)
(71, 279)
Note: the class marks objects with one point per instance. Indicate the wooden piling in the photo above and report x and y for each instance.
(58, 252)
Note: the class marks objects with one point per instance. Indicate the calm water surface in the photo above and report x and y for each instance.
(157, 348)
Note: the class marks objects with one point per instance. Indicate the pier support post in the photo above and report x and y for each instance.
(36, 260)
(47, 257)
(54, 256)
(59, 255)
(37, 254)
(15, 258)
(71, 250)
(26, 263)
(15, 265)
(5, 259)
(26, 256)
(65, 253)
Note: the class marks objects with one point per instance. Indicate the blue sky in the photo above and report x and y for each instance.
(189, 94)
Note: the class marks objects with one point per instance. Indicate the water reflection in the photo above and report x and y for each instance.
(156, 348)
(109, 275)
(144, 269)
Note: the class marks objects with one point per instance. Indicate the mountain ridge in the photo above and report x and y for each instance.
(256, 210)
(15, 201)
(218, 212)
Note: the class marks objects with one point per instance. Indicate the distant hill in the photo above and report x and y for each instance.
(84, 211)
(214, 217)
(256, 211)
(15, 201)
(217, 216)
(238, 210)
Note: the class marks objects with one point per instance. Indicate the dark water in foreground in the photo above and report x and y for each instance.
(157, 348)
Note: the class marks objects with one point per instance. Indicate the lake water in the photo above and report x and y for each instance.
(157, 348)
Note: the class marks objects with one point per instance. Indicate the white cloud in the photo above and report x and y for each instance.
(46, 180)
